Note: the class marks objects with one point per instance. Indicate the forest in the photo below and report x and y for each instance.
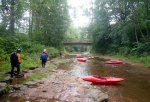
(117, 27)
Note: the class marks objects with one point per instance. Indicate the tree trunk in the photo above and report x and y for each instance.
(12, 17)
(137, 41)
(136, 17)
(30, 23)
(147, 18)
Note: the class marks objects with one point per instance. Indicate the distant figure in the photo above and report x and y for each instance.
(15, 60)
(43, 58)
(60, 54)
(46, 53)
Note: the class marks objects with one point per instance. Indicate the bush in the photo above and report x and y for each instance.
(30, 51)
(3, 55)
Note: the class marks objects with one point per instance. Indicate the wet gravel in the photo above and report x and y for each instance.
(62, 87)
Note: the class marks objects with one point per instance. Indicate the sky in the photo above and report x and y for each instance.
(77, 12)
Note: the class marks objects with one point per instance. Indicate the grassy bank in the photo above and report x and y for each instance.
(145, 60)
(28, 60)
(47, 72)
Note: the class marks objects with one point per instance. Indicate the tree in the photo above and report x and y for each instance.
(50, 19)
(11, 13)
(118, 24)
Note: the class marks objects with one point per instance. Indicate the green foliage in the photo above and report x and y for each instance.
(129, 34)
(30, 51)
(5, 66)
(142, 49)
(14, 10)
(2, 55)
(145, 60)
(70, 49)
(124, 50)
(29, 60)
(52, 52)
(2, 30)
(10, 43)
(50, 22)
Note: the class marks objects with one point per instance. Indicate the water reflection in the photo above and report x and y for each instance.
(80, 69)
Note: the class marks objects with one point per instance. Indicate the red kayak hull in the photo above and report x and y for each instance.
(1, 62)
(113, 62)
(102, 80)
(81, 59)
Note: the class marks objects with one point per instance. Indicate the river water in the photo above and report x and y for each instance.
(135, 87)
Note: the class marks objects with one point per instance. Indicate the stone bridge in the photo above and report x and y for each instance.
(76, 43)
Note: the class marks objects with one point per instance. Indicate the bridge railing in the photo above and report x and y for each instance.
(77, 43)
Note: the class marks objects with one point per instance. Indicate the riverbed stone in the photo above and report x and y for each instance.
(66, 88)
(3, 88)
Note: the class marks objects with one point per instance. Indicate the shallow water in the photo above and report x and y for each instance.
(135, 87)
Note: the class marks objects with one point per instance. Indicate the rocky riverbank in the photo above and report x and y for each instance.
(58, 86)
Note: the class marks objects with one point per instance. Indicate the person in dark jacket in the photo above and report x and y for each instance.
(43, 58)
(15, 60)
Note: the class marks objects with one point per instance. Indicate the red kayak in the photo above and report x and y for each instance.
(114, 62)
(1, 62)
(81, 59)
(102, 80)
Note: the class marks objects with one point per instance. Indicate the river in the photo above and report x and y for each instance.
(135, 87)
